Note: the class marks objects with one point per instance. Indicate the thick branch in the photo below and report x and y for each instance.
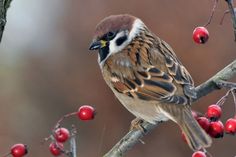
(134, 136)
(211, 84)
(4, 5)
(129, 140)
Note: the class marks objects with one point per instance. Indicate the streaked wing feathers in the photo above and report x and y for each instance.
(175, 67)
(156, 73)
(151, 84)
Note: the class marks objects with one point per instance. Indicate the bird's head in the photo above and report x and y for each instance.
(114, 33)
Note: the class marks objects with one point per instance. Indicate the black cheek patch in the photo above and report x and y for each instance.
(121, 40)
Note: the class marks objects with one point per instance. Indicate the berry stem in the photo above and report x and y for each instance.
(47, 138)
(212, 13)
(7, 154)
(207, 153)
(223, 99)
(233, 90)
(223, 17)
(62, 118)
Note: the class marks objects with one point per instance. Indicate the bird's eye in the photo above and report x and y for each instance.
(110, 35)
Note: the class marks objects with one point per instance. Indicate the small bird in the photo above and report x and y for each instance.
(146, 76)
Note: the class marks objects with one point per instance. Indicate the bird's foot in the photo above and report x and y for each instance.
(136, 124)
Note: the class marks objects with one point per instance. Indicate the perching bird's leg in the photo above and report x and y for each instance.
(137, 124)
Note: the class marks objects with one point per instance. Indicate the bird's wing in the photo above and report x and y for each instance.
(157, 74)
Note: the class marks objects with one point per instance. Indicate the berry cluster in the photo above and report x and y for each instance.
(212, 124)
(61, 135)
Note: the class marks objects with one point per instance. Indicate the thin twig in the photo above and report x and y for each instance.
(223, 17)
(234, 98)
(212, 13)
(62, 118)
(233, 16)
(73, 142)
(223, 99)
(7, 154)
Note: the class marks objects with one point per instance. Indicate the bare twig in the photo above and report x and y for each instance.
(63, 118)
(233, 16)
(212, 13)
(73, 143)
(4, 5)
(133, 137)
(223, 17)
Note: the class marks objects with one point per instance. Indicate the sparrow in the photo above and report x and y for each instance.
(146, 76)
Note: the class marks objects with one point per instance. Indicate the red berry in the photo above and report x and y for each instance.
(204, 123)
(62, 134)
(214, 112)
(18, 150)
(200, 35)
(216, 129)
(230, 126)
(199, 154)
(86, 112)
(56, 148)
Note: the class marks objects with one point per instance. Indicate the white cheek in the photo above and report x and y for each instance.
(113, 47)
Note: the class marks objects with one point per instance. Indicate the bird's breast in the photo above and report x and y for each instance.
(148, 110)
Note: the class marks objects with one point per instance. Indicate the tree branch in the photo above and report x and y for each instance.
(129, 140)
(233, 16)
(212, 84)
(134, 136)
(4, 5)
(73, 146)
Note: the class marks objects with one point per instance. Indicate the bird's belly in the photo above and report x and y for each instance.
(149, 111)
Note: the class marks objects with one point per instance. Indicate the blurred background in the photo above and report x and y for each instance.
(46, 71)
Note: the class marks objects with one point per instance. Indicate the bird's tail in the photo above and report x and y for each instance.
(196, 137)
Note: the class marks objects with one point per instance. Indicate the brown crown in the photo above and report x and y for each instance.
(114, 23)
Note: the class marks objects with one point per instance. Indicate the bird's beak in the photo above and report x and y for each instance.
(97, 44)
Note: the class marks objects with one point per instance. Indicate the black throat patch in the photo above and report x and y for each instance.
(103, 52)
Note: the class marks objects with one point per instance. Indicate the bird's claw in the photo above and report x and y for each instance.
(136, 124)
